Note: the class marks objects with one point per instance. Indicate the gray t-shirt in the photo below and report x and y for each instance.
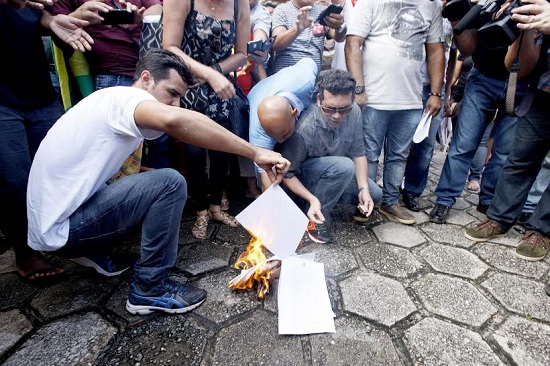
(306, 44)
(260, 19)
(314, 139)
(395, 33)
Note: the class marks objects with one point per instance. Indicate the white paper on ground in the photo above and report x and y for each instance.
(276, 220)
(303, 301)
(423, 128)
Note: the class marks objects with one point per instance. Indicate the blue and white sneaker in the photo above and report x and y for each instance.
(102, 264)
(169, 296)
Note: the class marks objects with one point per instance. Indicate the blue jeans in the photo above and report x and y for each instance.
(482, 97)
(106, 81)
(542, 181)
(332, 180)
(478, 162)
(394, 130)
(530, 147)
(152, 201)
(420, 156)
(21, 131)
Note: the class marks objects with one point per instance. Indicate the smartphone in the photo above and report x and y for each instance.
(117, 16)
(331, 9)
(254, 46)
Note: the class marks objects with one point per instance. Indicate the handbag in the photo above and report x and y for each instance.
(151, 34)
(239, 111)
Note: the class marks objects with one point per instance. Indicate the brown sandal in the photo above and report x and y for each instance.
(200, 228)
(226, 218)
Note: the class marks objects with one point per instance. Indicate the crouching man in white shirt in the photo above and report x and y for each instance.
(75, 207)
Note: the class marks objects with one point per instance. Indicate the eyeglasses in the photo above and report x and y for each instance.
(216, 29)
(332, 110)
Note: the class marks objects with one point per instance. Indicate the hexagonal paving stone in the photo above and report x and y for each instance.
(76, 340)
(522, 296)
(504, 258)
(435, 342)
(376, 297)
(447, 233)
(204, 257)
(223, 303)
(420, 217)
(398, 234)
(13, 326)
(163, 339)
(7, 262)
(461, 204)
(71, 296)
(337, 259)
(14, 291)
(389, 260)
(451, 260)
(525, 340)
(511, 239)
(354, 340)
(236, 345)
(457, 217)
(453, 298)
(351, 234)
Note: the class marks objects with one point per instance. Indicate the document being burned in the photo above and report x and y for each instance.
(278, 225)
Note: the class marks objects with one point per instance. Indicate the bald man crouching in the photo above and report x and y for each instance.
(276, 102)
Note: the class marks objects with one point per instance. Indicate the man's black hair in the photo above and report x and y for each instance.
(159, 62)
(337, 82)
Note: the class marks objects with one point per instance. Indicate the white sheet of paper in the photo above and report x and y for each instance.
(423, 128)
(276, 220)
(304, 304)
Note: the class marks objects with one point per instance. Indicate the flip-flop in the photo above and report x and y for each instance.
(473, 190)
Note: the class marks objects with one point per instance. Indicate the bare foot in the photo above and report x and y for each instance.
(34, 267)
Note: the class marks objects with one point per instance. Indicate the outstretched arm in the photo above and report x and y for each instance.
(197, 129)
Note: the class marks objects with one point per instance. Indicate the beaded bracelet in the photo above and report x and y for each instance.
(431, 94)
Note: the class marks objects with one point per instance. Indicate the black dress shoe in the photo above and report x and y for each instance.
(482, 208)
(439, 214)
(411, 202)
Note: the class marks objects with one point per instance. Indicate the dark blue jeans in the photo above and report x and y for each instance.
(482, 97)
(420, 156)
(530, 147)
(332, 180)
(152, 201)
(21, 131)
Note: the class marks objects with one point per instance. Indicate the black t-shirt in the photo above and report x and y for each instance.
(25, 80)
(490, 62)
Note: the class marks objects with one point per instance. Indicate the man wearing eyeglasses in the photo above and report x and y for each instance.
(327, 151)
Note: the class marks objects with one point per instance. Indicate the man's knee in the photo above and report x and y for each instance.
(172, 180)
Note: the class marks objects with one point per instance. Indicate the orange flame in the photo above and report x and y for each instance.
(254, 254)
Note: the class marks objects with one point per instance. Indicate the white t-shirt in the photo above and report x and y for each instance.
(396, 32)
(79, 154)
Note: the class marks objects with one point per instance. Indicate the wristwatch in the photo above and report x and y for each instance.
(359, 89)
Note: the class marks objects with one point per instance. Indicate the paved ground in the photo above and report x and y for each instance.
(421, 295)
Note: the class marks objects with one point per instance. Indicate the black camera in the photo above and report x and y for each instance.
(492, 19)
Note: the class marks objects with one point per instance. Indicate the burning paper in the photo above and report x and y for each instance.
(278, 225)
(276, 220)
(255, 268)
